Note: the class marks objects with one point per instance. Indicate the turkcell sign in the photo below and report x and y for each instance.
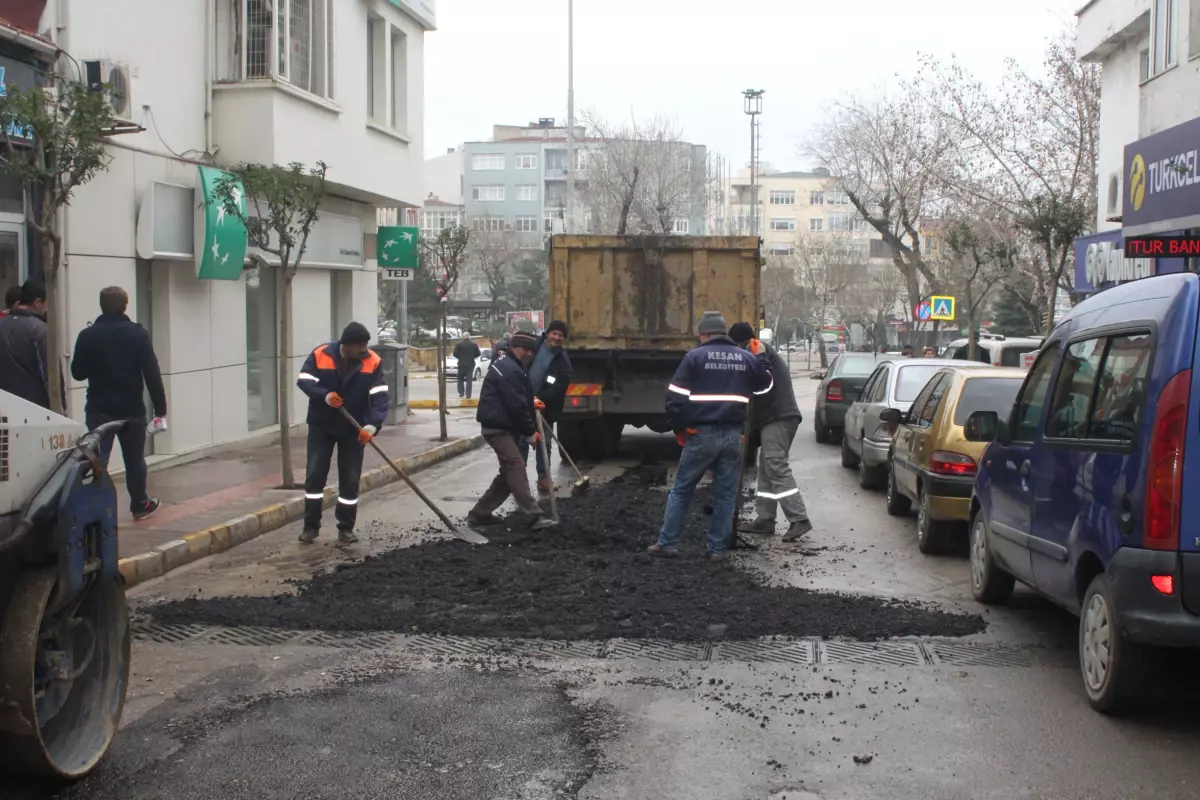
(1162, 181)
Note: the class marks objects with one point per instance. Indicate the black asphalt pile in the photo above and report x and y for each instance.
(589, 579)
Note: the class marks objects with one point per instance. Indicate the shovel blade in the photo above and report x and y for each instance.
(469, 536)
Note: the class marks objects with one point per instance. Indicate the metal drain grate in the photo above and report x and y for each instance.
(801, 652)
(3, 449)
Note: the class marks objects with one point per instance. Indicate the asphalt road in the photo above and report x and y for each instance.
(998, 715)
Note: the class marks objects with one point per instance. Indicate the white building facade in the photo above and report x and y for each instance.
(223, 82)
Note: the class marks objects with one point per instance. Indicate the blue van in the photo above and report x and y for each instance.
(1082, 491)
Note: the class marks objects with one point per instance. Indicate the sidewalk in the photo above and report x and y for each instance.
(239, 481)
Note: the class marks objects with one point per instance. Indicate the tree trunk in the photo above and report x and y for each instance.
(283, 301)
(441, 352)
(55, 318)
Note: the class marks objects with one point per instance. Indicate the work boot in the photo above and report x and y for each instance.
(655, 550)
(309, 535)
(545, 485)
(482, 519)
(542, 523)
(796, 530)
(765, 527)
(149, 508)
(346, 536)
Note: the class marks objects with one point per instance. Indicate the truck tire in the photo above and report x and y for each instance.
(570, 438)
(597, 442)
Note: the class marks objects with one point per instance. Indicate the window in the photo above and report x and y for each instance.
(922, 398)
(527, 224)
(878, 248)
(1028, 411)
(839, 221)
(1121, 389)
(487, 161)
(837, 199)
(527, 191)
(387, 74)
(1163, 35)
(910, 380)
(556, 161)
(437, 221)
(261, 359)
(489, 193)
(816, 224)
(488, 224)
(679, 226)
(1011, 356)
(879, 393)
(779, 197)
(985, 394)
(783, 224)
(1073, 392)
(858, 224)
(780, 249)
(855, 366)
(1194, 30)
(553, 223)
(527, 161)
(1114, 186)
(924, 417)
(816, 198)
(288, 41)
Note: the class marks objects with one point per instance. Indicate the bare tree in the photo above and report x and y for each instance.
(976, 256)
(640, 175)
(825, 266)
(445, 256)
(871, 301)
(495, 253)
(1027, 148)
(782, 293)
(885, 152)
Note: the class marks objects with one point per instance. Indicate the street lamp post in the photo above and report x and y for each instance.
(570, 223)
(753, 107)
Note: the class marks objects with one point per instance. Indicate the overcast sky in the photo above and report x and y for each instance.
(505, 61)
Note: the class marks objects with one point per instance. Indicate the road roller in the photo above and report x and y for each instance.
(64, 622)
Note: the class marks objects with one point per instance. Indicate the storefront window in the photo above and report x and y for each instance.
(261, 350)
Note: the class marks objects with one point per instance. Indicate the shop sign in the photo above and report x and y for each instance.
(1162, 181)
(1100, 263)
(219, 235)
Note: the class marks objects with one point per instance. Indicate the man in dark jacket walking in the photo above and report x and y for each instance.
(549, 374)
(23, 356)
(115, 356)
(707, 402)
(465, 353)
(505, 415)
(775, 417)
(345, 374)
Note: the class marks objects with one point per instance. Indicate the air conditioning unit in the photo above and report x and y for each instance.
(112, 79)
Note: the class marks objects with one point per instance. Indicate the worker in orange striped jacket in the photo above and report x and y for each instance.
(340, 376)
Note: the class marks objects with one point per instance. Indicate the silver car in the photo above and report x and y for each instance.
(866, 438)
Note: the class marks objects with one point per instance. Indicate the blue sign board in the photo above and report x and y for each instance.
(1162, 181)
(1100, 263)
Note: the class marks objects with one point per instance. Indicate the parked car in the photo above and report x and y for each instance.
(931, 461)
(999, 351)
(1087, 488)
(481, 364)
(841, 385)
(866, 438)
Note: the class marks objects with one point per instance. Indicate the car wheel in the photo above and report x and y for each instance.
(897, 504)
(868, 477)
(821, 431)
(931, 534)
(989, 584)
(1113, 669)
(849, 460)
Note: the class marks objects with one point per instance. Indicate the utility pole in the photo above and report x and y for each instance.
(753, 107)
(570, 223)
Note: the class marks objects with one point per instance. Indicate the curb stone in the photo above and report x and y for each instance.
(192, 547)
(465, 402)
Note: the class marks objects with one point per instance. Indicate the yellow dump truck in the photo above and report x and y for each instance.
(632, 304)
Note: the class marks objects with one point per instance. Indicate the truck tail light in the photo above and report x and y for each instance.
(1164, 484)
(946, 463)
(833, 392)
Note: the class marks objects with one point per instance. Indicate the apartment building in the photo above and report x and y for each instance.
(1148, 167)
(212, 83)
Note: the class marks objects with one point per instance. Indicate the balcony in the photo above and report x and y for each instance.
(1104, 25)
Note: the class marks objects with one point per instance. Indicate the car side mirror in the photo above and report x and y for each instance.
(892, 416)
(816, 376)
(982, 426)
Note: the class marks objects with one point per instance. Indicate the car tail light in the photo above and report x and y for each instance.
(1165, 584)
(945, 463)
(886, 430)
(833, 392)
(1164, 483)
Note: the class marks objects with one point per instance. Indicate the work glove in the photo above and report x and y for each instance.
(366, 433)
(535, 439)
(538, 404)
(681, 438)
(334, 400)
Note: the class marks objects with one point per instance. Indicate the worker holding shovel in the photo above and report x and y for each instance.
(340, 378)
(549, 374)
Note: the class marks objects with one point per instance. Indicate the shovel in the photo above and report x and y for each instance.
(546, 460)
(466, 536)
(584, 483)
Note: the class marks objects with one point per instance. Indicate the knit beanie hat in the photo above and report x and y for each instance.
(741, 332)
(712, 323)
(355, 333)
(522, 339)
(557, 325)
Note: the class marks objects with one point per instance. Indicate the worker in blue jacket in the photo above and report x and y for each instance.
(344, 374)
(707, 402)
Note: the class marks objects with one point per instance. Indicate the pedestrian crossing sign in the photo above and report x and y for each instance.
(943, 308)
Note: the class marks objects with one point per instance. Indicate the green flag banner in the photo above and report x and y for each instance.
(220, 236)
(399, 247)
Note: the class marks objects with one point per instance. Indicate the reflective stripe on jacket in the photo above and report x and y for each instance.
(361, 384)
(714, 384)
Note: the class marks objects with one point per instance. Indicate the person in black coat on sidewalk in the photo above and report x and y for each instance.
(505, 415)
(23, 358)
(115, 356)
(466, 353)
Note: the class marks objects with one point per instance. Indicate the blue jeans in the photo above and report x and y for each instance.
(718, 447)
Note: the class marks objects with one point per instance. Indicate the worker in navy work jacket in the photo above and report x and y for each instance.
(707, 402)
(340, 375)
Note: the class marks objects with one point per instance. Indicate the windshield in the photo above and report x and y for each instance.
(856, 366)
(986, 394)
(912, 379)
(1011, 355)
